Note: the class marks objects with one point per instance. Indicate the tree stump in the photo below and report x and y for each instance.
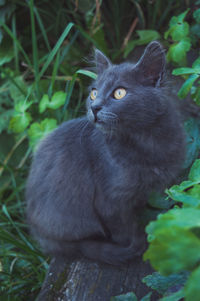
(84, 280)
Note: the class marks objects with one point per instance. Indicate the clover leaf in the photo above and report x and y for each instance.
(57, 100)
(38, 131)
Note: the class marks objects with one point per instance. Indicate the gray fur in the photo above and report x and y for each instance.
(89, 176)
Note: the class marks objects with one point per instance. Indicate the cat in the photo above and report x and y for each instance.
(90, 176)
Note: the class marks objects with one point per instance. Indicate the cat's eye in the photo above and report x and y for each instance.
(119, 93)
(93, 94)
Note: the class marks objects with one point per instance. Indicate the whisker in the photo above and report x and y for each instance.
(110, 114)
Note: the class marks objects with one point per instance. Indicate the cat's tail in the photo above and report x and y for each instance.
(103, 251)
(109, 252)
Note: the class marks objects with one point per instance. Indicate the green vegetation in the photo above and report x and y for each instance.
(43, 83)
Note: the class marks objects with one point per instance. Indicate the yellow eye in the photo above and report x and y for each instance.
(119, 93)
(93, 94)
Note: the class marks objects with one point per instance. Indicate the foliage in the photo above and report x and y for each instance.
(183, 36)
(164, 284)
(174, 237)
(145, 37)
(179, 32)
(43, 80)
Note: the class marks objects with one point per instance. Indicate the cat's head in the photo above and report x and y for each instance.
(127, 95)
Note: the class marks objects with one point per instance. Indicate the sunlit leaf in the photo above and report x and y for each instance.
(192, 288)
(186, 87)
(178, 195)
(173, 249)
(43, 105)
(183, 70)
(38, 131)
(194, 174)
(178, 29)
(145, 36)
(22, 106)
(57, 100)
(19, 122)
(177, 52)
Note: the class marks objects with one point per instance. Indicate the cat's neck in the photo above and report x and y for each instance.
(147, 143)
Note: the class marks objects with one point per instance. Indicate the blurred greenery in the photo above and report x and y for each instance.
(44, 77)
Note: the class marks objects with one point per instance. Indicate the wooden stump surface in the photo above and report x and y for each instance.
(84, 280)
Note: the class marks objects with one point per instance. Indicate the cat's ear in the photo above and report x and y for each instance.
(102, 62)
(151, 66)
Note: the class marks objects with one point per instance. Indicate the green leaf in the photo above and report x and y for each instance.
(87, 73)
(38, 131)
(145, 36)
(162, 284)
(57, 100)
(127, 297)
(157, 200)
(178, 29)
(186, 87)
(192, 128)
(22, 106)
(19, 122)
(43, 105)
(185, 218)
(18, 89)
(188, 192)
(175, 296)
(178, 195)
(183, 70)
(173, 249)
(195, 94)
(196, 64)
(192, 288)
(196, 15)
(195, 193)
(179, 18)
(177, 52)
(194, 174)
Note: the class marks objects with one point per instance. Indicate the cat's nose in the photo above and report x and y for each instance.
(95, 110)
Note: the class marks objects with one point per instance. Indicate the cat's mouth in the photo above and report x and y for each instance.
(94, 118)
(105, 121)
(98, 120)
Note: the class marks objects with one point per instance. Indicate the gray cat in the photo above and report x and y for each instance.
(90, 175)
